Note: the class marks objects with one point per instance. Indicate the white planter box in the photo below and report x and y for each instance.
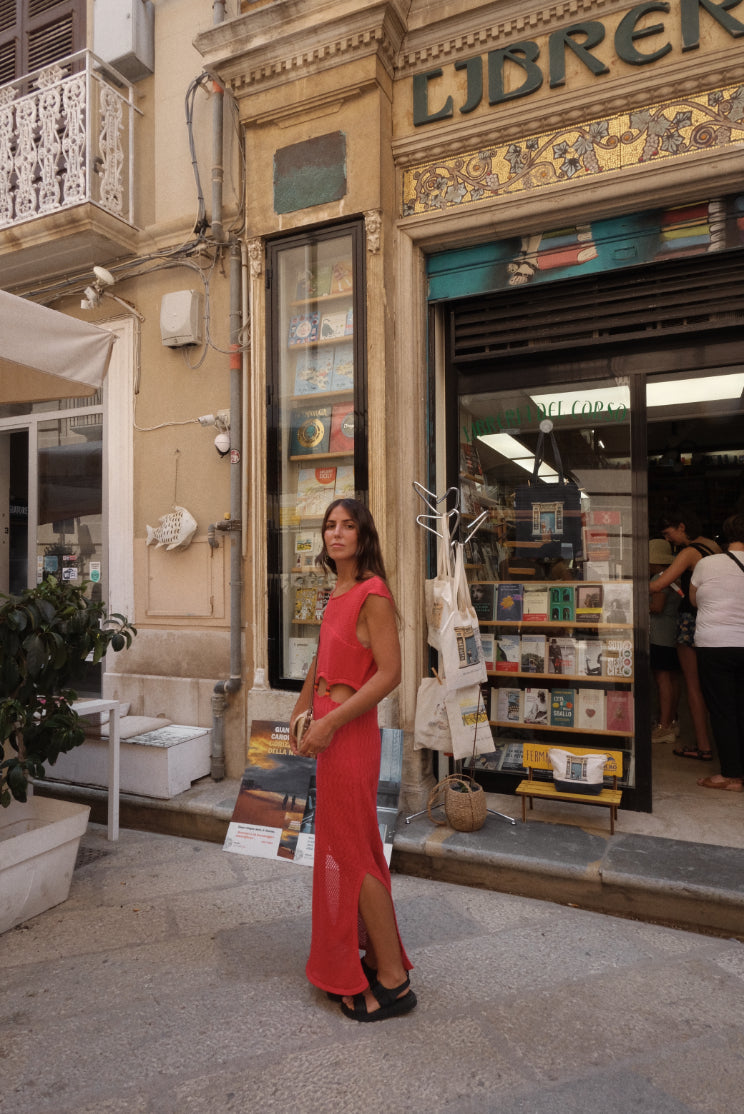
(160, 763)
(38, 847)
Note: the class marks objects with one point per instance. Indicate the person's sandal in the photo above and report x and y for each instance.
(731, 784)
(694, 752)
(369, 973)
(389, 1002)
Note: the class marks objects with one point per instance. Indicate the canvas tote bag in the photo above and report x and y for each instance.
(461, 648)
(548, 515)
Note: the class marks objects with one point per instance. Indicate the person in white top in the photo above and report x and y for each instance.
(717, 590)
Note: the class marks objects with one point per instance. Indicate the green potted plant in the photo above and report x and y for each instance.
(46, 633)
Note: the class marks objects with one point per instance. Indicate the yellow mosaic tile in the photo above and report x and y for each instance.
(670, 130)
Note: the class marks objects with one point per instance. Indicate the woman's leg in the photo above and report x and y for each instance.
(721, 682)
(695, 700)
(377, 912)
(667, 684)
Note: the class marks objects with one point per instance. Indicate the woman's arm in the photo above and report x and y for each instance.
(377, 621)
(685, 559)
(304, 700)
(657, 603)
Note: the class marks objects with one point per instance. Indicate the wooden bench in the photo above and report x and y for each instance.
(535, 757)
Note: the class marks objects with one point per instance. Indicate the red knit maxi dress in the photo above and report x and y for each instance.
(347, 838)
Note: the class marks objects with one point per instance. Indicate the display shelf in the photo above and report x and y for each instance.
(306, 458)
(321, 299)
(518, 726)
(312, 396)
(537, 623)
(561, 677)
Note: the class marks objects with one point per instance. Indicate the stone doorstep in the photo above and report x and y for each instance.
(161, 763)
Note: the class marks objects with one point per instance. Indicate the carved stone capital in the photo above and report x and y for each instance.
(255, 257)
(373, 227)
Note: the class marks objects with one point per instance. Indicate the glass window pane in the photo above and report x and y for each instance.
(551, 565)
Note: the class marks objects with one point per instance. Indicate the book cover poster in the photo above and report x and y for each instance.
(307, 546)
(300, 655)
(273, 795)
(536, 709)
(509, 602)
(311, 431)
(590, 709)
(332, 325)
(342, 428)
(507, 653)
(343, 367)
(619, 711)
(304, 608)
(342, 278)
(562, 707)
(533, 653)
(315, 488)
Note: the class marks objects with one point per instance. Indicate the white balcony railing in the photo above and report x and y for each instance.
(66, 138)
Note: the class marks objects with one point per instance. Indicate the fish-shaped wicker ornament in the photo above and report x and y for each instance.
(175, 530)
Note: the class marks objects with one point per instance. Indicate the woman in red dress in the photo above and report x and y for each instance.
(358, 663)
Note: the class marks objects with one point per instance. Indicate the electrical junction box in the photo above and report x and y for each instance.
(124, 36)
(181, 317)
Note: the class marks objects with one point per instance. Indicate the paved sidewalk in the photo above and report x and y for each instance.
(172, 981)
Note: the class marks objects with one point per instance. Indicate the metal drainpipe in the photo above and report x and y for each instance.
(233, 525)
(218, 170)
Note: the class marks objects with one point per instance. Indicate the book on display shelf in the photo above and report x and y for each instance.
(314, 282)
(617, 658)
(304, 606)
(307, 546)
(342, 428)
(533, 653)
(507, 653)
(605, 518)
(619, 711)
(483, 599)
(470, 464)
(562, 656)
(488, 642)
(300, 656)
(313, 371)
(589, 657)
(506, 705)
(617, 603)
(588, 603)
(535, 603)
(342, 277)
(322, 597)
(345, 488)
(332, 326)
(562, 603)
(343, 367)
(590, 709)
(311, 431)
(315, 488)
(562, 707)
(509, 602)
(536, 707)
(303, 329)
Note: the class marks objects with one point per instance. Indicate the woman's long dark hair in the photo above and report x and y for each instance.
(674, 515)
(369, 554)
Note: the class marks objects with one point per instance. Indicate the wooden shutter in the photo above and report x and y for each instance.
(35, 33)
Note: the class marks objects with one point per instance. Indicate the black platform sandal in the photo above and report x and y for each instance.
(390, 1004)
(369, 973)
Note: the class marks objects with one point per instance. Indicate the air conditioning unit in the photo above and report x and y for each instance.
(124, 36)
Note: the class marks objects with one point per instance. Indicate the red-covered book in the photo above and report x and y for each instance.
(342, 428)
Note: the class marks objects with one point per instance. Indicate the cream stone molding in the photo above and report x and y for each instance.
(373, 228)
(433, 44)
(255, 249)
(250, 53)
(677, 129)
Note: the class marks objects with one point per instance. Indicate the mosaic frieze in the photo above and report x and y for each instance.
(651, 134)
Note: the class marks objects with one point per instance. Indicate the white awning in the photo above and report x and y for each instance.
(44, 354)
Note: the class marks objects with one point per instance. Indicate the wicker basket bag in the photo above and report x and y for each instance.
(464, 803)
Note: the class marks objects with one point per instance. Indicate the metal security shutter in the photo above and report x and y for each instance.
(662, 300)
(35, 33)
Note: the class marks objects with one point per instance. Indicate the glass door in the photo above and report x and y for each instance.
(316, 437)
(551, 567)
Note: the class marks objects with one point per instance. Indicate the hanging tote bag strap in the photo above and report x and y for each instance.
(540, 458)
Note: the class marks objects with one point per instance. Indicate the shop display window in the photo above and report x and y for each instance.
(317, 443)
(551, 566)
